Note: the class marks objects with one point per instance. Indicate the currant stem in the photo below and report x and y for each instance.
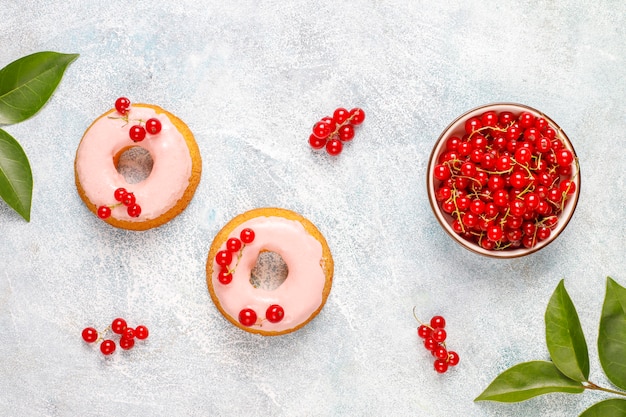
(591, 386)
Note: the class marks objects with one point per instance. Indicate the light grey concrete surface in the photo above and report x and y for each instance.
(250, 78)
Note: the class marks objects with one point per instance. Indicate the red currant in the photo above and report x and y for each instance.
(141, 332)
(129, 199)
(225, 277)
(107, 347)
(122, 104)
(247, 236)
(564, 157)
(233, 244)
(334, 147)
(441, 366)
(104, 212)
(346, 132)
(247, 317)
(437, 322)
(440, 352)
(153, 126)
(453, 358)
(424, 331)
(134, 210)
(274, 313)
(439, 335)
(137, 133)
(430, 344)
(317, 143)
(120, 193)
(128, 333)
(321, 130)
(223, 258)
(340, 115)
(127, 344)
(118, 326)
(90, 334)
(357, 116)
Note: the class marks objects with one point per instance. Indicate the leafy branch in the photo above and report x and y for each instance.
(568, 372)
(26, 85)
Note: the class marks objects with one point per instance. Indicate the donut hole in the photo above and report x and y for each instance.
(269, 272)
(134, 164)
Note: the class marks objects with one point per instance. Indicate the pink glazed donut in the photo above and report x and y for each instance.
(170, 185)
(235, 254)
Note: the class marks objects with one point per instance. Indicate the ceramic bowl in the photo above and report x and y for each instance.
(473, 239)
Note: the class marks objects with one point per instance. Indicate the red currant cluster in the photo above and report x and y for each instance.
(137, 132)
(127, 336)
(125, 198)
(434, 336)
(332, 132)
(506, 181)
(225, 257)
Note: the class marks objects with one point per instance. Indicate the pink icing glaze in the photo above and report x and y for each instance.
(300, 294)
(99, 177)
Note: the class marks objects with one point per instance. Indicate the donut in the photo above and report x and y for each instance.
(169, 186)
(235, 260)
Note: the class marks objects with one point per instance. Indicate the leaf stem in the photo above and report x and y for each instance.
(591, 386)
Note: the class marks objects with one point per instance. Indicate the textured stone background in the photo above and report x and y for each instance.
(250, 78)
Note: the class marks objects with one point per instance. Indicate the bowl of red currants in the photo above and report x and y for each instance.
(503, 180)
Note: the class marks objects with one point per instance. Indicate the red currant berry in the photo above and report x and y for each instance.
(567, 187)
(437, 322)
(564, 157)
(120, 193)
(129, 199)
(141, 332)
(122, 104)
(505, 118)
(472, 124)
(274, 313)
(137, 133)
(495, 233)
(225, 277)
(223, 258)
(357, 116)
(526, 120)
(442, 172)
(489, 118)
(321, 130)
(453, 358)
(440, 352)
(317, 143)
(127, 344)
(153, 126)
(441, 366)
(346, 132)
(340, 115)
(107, 347)
(118, 326)
(430, 344)
(129, 333)
(334, 147)
(247, 317)
(424, 331)
(90, 334)
(233, 244)
(104, 212)
(439, 335)
(134, 210)
(247, 236)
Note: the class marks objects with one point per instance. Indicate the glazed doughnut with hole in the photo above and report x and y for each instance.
(244, 299)
(170, 184)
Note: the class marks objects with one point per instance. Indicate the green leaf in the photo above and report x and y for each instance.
(527, 380)
(27, 84)
(612, 337)
(565, 337)
(614, 407)
(16, 178)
